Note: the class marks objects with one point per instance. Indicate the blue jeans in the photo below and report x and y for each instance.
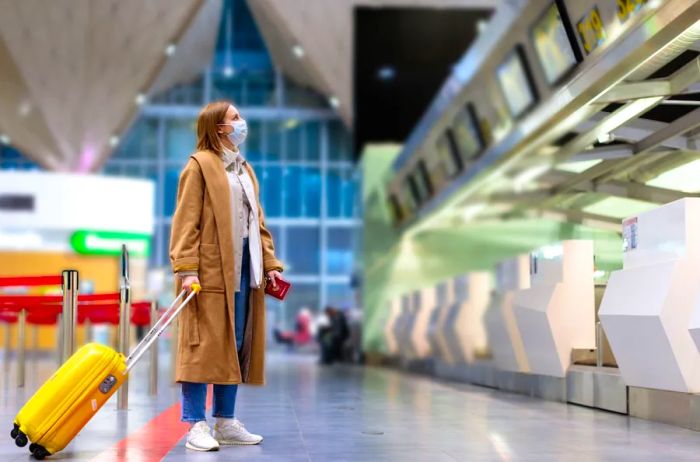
(194, 395)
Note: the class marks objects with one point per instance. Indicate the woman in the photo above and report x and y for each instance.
(220, 241)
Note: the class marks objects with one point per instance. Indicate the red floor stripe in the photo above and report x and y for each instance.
(153, 441)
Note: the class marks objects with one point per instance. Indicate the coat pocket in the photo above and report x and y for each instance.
(210, 268)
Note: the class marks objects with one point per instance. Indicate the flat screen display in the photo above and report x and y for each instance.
(466, 133)
(552, 45)
(448, 155)
(515, 83)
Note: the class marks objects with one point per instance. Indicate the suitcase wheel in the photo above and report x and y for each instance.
(15, 431)
(39, 452)
(21, 439)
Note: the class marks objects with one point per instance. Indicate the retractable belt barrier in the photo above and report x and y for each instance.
(69, 309)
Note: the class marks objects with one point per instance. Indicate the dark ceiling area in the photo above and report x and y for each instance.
(402, 57)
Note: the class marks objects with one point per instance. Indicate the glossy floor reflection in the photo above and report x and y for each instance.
(345, 413)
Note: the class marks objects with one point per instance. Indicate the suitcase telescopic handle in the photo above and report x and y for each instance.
(160, 326)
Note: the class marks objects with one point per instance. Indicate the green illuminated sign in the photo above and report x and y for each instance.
(110, 243)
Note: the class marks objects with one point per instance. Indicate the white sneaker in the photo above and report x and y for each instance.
(199, 438)
(232, 432)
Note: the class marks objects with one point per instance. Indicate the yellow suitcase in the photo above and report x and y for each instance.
(79, 388)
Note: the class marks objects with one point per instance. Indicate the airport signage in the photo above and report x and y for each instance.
(110, 243)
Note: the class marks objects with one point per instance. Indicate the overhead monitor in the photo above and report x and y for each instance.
(448, 154)
(467, 135)
(553, 45)
(516, 83)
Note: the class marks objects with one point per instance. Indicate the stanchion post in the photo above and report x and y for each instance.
(598, 344)
(173, 348)
(70, 304)
(59, 339)
(124, 324)
(6, 333)
(154, 351)
(87, 329)
(21, 347)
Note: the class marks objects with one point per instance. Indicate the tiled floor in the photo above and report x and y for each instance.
(308, 413)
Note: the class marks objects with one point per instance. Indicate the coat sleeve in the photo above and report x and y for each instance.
(270, 261)
(185, 232)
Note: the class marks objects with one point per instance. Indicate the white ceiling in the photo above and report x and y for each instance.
(324, 30)
(71, 69)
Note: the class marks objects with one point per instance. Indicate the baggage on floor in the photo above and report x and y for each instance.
(79, 388)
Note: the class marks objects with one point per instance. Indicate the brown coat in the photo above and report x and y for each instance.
(201, 239)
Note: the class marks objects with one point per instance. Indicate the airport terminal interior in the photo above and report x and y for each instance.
(486, 212)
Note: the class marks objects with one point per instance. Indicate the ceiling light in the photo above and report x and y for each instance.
(481, 26)
(386, 73)
(113, 140)
(140, 99)
(291, 124)
(170, 49)
(298, 51)
(5, 139)
(334, 102)
(228, 71)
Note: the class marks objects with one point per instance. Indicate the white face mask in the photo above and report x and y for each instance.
(240, 131)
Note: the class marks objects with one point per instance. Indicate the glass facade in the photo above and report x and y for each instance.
(301, 151)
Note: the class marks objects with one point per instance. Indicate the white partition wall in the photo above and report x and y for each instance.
(464, 326)
(505, 341)
(650, 307)
(426, 304)
(556, 314)
(401, 326)
(394, 308)
(435, 318)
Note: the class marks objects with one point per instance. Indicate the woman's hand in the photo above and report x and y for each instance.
(187, 282)
(272, 276)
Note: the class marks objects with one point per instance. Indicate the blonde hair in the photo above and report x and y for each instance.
(210, 117)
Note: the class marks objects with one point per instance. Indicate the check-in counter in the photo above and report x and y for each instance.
(504, 339)
(556, 314)
(650, 307)
(445, 299)
(425, 303)
(394, 309)
(464, 323)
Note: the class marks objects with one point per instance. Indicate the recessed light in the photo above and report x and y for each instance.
(228, 71)
(170, 49)
(4, 139)
(140, 99)
(298, 51)
(334, 102)
(386, 73)
(113, 140)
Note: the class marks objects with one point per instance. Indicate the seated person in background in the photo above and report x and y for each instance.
(302, 331)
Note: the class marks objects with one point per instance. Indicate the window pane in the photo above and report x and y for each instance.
(293, 140)
(312, 193)
(291, 191)
(349, 198)
(340, 142)
(340, 250)
(180, 139)
(172, 177)
(273, 141)
(252, 148)
(313, 141)
(340, 295)
(303, 254)
(334, 186)
(271, 191)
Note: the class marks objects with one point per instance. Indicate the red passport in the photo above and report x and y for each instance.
(280, 291)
